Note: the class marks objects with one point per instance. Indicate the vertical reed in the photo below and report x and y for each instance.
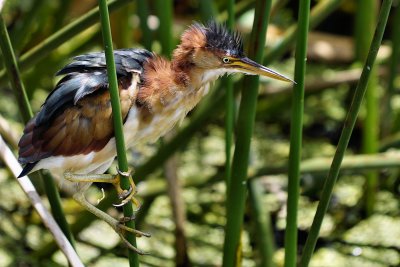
(117, 118)
(237, 185)
(365, 20)
(345, 135)
(296, 130)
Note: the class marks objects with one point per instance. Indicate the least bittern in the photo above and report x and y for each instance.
(72, 134)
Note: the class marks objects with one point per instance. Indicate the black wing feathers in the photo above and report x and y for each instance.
(87, 74)
(126, 60)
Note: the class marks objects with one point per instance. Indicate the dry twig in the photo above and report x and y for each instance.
(9, 159)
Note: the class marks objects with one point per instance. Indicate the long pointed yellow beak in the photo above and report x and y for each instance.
(249, 66)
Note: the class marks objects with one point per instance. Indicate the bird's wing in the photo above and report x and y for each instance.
(76, 116)
(87, 74)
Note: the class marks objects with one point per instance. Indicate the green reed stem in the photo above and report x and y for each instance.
(365, 23)
(117, 118)
(26, 113)
(262, 220)
(346, 134)
(296, 130)
(237, 187)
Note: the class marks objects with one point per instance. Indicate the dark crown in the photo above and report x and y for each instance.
(219, 37)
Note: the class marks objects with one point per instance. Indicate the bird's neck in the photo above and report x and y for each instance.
(165, 81)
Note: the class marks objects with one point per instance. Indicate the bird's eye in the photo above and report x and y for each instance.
(225, 60)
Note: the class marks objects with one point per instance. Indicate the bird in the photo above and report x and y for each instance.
(72, 134)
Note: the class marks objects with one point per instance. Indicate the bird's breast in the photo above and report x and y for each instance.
(146, 126)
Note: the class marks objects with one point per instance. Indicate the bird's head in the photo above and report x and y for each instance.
(217, 50)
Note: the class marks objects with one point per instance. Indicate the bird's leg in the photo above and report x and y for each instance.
(124, 195)
(119, 228)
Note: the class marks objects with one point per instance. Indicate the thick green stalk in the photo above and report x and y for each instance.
(26, 113)
(237, 186)
(117, 118)
(229, 104)
(345, 136)
(68, 32)
(370, 140)
(263, 228)
(296, 130)
(365, 22)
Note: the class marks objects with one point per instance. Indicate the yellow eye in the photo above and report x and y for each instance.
(226, 60)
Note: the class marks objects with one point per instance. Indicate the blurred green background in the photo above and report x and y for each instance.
(361, 227)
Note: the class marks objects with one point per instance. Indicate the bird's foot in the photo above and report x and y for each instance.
(126, 196)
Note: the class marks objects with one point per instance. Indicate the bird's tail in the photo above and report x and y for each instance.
(27, 169)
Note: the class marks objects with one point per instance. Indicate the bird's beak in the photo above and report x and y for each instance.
(249, 66)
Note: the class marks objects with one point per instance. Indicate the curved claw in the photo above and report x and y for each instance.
(125, 201)
(126, 193)
(128, 173)
(120, 204)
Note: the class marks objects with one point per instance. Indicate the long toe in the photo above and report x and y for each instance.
(138, 233)
(119, 228)
(131, 247)
(130, 198)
